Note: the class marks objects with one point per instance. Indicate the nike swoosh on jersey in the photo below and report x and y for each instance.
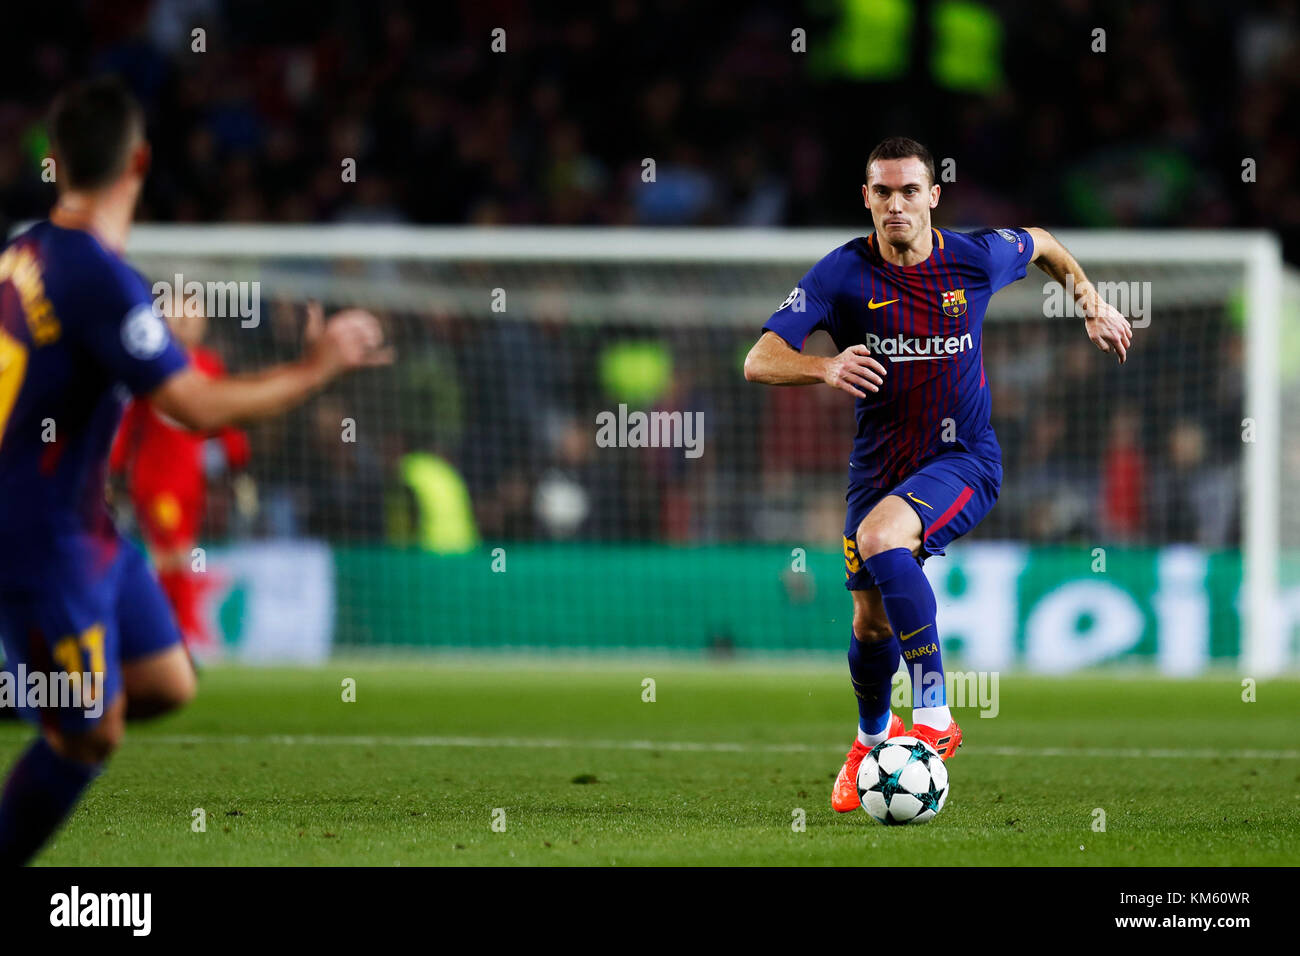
(873, 304)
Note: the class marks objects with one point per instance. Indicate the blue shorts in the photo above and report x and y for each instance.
(89, 616)
(951, 494)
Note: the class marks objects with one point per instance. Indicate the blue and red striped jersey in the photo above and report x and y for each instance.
(78, 337)
(925, 324)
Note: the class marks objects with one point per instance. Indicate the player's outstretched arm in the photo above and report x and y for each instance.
(1107, 328)
(351, 339)
(772, 362)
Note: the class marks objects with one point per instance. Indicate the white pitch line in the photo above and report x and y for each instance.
(688, 746)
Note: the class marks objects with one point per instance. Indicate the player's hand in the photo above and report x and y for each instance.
(349, 340)
(854, 370)
(1106, 326)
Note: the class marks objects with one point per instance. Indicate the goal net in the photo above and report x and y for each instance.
(566, 454)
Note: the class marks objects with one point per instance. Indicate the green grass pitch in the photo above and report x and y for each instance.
(712, 772)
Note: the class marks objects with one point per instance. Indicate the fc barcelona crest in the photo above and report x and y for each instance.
(954, 302)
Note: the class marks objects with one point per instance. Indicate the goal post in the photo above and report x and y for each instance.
(617, 317)
(1264, 637)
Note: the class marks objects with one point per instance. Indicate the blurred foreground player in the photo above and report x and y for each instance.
(164, 465)
(78, 335)
(905, 307)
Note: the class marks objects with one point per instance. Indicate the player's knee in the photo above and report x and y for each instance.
(178, 690)
(874, 539)
(160, 684)
(183, 689)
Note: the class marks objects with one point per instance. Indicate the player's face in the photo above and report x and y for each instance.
(900, 196)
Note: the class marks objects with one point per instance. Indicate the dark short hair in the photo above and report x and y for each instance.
(91, 128)
(901, 147)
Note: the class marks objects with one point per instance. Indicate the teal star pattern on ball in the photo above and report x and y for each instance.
(921, 752)
(930, 798)
(888, 785)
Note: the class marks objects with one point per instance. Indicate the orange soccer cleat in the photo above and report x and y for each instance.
(844, 795)
(945, 742)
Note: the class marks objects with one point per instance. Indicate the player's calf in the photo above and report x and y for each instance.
(870, 631)
(888, 540)
(48, 779)
(95, 743)
(873, 660)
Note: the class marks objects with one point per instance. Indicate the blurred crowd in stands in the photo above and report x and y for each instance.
(1065, 113)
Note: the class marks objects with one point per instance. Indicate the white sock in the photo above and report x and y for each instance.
(870, 740)
(937, 717)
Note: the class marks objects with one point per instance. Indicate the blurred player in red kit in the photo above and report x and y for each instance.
(164, 465)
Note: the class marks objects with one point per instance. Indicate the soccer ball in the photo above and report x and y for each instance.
(902, 780)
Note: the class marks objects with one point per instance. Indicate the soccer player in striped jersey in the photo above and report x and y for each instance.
(78, 337)
(905, 307)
